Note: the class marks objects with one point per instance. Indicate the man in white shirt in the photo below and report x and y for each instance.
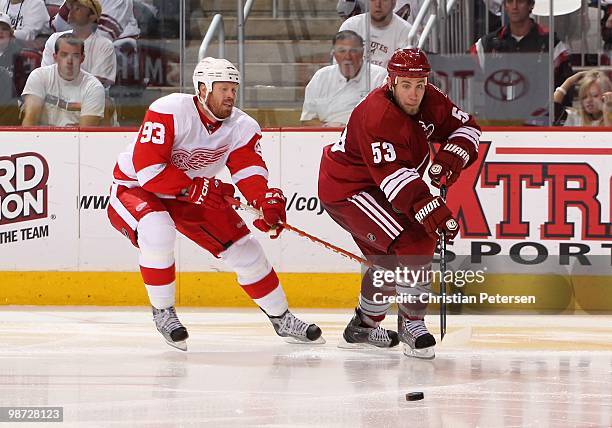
(335, 90)
(117, 20)
(388, 31)
(62, 94)
(405, 9)
(118, 23)
(100, 58)
(29, 18)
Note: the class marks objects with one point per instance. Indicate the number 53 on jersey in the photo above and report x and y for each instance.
(383, 151)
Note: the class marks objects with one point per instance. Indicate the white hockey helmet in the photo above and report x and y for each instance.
(210, 70)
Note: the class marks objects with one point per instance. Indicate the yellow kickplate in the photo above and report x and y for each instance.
(218, 289)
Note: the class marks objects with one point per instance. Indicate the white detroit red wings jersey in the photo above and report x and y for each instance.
(384, 149)
(177, 143)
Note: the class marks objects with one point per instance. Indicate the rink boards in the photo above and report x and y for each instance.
(536, 205)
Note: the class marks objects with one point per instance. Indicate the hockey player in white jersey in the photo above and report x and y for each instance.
(164, 182)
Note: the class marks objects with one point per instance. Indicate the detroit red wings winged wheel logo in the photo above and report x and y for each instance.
(197, 159)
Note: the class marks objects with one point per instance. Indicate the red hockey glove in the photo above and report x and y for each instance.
(272, 206)
(209, 192)
(448, 162)
(435, 217)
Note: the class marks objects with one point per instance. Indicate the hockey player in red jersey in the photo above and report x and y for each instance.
(164, 182)
(371, 184)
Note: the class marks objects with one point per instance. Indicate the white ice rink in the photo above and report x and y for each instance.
(110, 367)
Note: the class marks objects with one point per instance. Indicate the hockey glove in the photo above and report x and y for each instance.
(272, 206)
(448, 162)
(435, 217)
(208, 192)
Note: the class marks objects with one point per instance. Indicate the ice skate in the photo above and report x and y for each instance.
(417, 341)
(294, 330)
(170, 327)
(357, 336)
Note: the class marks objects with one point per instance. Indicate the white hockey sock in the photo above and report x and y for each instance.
(161, 296)
(274, 303)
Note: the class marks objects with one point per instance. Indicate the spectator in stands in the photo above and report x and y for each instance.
(147, 17)
(348, 8)
(493, 6)
(9, 112)
(606, 28)
(62, 94)
(6, 38)
(524, 35)
(595, 96)
(9, 47)
(100, 59)
(388, 31)
(53, 7)
(335, 90)
(116, 22)
(405, 9)
(482, 8)
(9, 51)
(29, 18)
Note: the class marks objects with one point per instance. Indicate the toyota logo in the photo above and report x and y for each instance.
(506, 85)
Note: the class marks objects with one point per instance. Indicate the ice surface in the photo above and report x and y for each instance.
(110, 367)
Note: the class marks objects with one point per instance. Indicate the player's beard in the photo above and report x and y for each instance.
(411, 111)
(220, 109)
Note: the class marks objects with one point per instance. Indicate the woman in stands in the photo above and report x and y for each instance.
(595, 96)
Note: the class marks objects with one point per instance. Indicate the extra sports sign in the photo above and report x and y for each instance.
(550, 189)
(532, 191)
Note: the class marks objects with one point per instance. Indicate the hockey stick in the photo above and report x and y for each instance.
(443, 190)
(235, 202)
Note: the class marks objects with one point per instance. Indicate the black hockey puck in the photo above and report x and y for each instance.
(414, 396)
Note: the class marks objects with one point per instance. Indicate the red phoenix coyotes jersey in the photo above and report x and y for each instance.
(383, 147)
(176, 143)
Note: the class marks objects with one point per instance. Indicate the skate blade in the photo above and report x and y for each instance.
(181, 345)
(295, 341)
(423, 354)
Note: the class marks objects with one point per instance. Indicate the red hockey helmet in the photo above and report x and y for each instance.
(408, 62)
